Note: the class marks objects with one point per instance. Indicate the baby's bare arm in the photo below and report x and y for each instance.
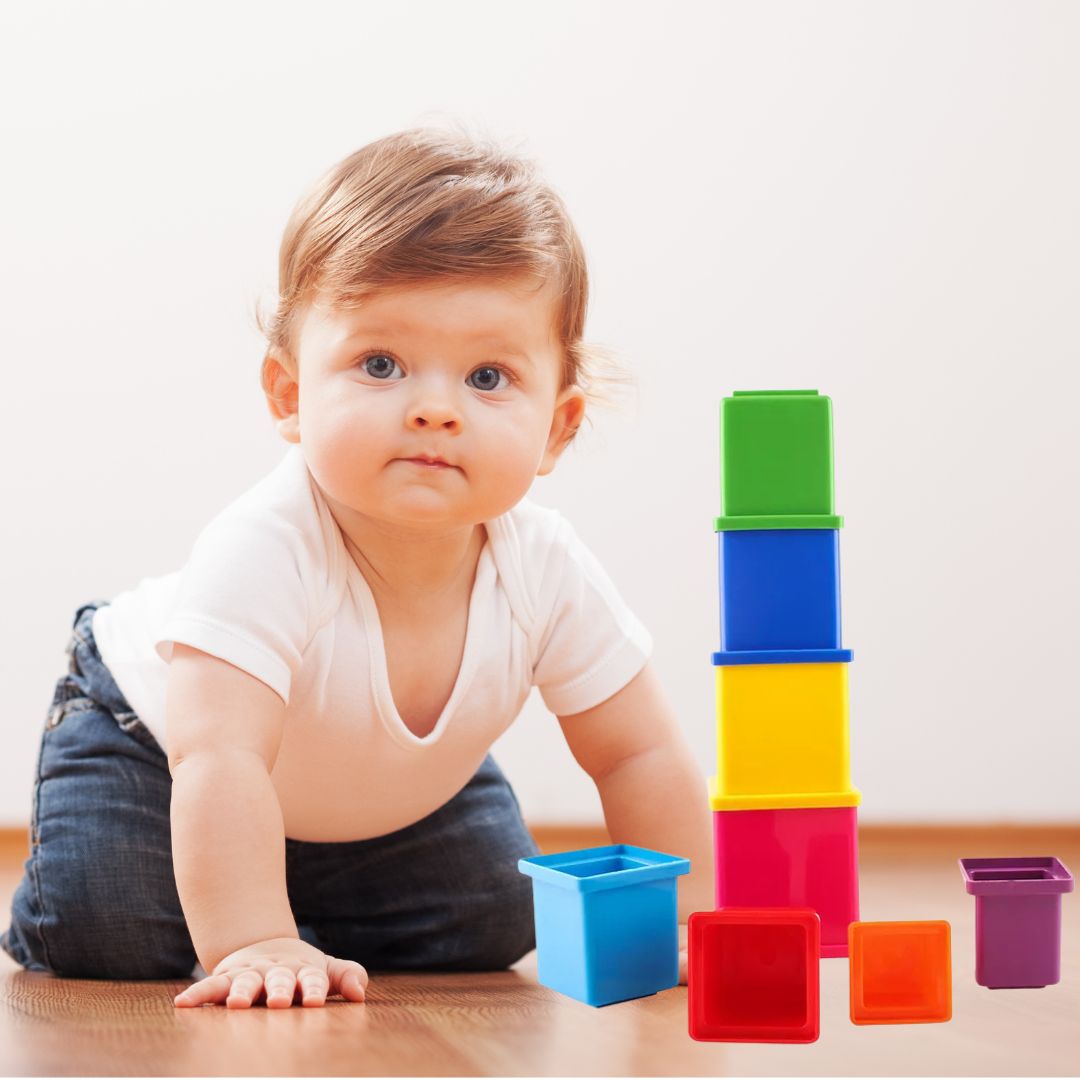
(228, 845)
(228, 842)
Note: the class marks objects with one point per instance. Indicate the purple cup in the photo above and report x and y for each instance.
(1017, 919)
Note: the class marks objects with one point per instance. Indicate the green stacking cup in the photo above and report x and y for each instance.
(776, 461)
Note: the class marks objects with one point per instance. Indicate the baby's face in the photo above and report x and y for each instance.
(466, 372)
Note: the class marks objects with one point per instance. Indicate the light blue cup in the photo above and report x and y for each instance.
(607, 921)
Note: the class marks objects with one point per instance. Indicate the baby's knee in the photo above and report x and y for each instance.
(70, 939)
(140, 953)
(99, 949)
(503, 927)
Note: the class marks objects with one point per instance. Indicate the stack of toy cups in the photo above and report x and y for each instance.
(784, 808)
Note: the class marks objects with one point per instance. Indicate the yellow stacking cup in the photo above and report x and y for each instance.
(782, 737)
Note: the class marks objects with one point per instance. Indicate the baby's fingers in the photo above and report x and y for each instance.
(213, 988)
(246, 987)
(347, 978)
(280, 987)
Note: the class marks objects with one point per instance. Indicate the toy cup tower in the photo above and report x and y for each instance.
(784, 808)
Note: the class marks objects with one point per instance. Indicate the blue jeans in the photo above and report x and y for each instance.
(98, 899)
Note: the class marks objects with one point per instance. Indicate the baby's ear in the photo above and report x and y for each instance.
(282, 396)
(569, 414)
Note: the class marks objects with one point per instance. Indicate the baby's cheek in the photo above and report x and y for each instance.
(514, 457)
(510, 472)
(344, 455)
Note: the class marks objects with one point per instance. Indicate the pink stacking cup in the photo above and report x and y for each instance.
(797, 857)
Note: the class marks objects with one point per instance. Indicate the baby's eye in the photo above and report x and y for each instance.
(488, 378)
(379, 366)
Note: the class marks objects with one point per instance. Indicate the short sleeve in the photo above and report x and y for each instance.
(590, 643)
(243, 597)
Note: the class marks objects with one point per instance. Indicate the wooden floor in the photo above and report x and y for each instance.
(505, 1024)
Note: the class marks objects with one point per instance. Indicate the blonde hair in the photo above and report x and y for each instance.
(427, 204)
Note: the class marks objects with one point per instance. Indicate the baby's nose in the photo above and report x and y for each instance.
(434, 413)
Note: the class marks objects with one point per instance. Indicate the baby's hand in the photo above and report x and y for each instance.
(284, 967)
(684, 938)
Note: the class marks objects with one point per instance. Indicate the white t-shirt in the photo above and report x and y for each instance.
(271, 588)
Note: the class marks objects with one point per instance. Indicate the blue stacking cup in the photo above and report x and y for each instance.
(779, 590)
(607, 921)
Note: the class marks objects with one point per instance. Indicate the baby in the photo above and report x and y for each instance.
(275, 761)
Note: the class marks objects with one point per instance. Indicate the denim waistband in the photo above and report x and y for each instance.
(88, 671)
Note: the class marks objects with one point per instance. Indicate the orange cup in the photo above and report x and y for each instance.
(900, 972)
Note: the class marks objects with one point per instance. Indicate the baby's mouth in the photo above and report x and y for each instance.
(424, 463)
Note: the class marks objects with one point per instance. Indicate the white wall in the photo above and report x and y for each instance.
(876, 200)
